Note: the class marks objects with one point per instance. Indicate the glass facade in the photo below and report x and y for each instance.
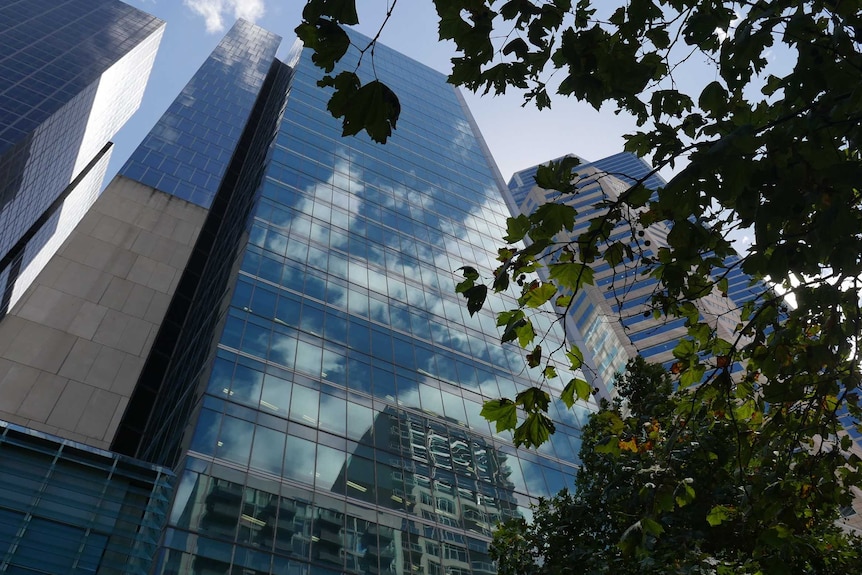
(68, 508)
(328, 420)
(71, 73)
(187, 153)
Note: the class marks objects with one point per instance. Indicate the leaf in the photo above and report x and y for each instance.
(614, 254)
(571, 276)
(692, 376)
(630, 444)
(476, 296)
(576, 389)
(503, 412)
(575, 357)
(684, 494)
(534, 358)
(538, 296)
(557, 175)
(343, 11)
(328, 40)
(776, 535)
(551, 218)
(373, 107)
(651, 526)
(518, 47)
(609, 445)
(533, 399)
(713, 98)
(516, 229)
(526, 333)
(535, 431)
(719, 514)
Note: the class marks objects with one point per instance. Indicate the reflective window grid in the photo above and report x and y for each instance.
(187, 152)
(337, 424)
(97, 511)
(71, 73)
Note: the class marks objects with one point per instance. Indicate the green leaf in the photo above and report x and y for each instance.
(470, 277)
(685, 349)
(557, 175)
(684, 494)
(614, 254)
(538, 296)
(571, 276)
(551, 218)
(692, 376)
(652, 527)
(533, 399)
(719, 514)
(526, 333)
(373, 107)
(516, 229)
(502, 412)
(776, 535)
(576, 389)
(575, 357)
(518, 47)
(534, 358)
(659, 37)
(609, 445)
(563, 301)
(536, 430)
(476, 296)
(343, 11)
(713, 98)
(328, 40)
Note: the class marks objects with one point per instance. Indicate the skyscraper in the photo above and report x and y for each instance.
(269, 309)
(612, 321)
(71, 73)
(321, 401)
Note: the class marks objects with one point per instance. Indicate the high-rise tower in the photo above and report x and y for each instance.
(321, 399)
(612, 321)
(71, 73)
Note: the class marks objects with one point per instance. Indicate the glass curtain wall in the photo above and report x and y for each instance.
(339, 429)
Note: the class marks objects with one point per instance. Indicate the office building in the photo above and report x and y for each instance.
(612, 321)
(269, 309)
(71, 73)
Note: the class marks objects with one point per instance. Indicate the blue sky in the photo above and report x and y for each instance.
(518, 137)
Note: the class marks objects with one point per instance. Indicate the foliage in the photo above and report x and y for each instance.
(661, 489)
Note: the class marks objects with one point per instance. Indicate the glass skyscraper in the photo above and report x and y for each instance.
(71, 73)
(317, 383)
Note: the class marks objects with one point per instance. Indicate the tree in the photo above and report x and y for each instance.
(660, 490)
(776, 153)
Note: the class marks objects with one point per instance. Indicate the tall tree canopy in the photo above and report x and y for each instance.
(773, 152)
(659, 491)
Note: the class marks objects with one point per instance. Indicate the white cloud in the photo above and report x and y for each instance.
(214, 12)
